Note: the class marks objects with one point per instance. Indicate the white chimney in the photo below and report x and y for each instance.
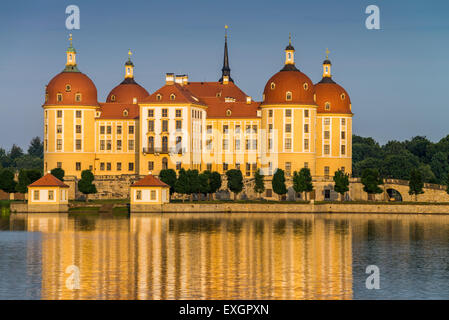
(225, 79)
(169, 78)
(248, 100)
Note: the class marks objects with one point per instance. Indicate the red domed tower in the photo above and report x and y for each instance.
(288, 115)
(69, 114)
(334, 125)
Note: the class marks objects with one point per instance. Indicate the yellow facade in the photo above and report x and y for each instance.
(47, 195)
(149, 195)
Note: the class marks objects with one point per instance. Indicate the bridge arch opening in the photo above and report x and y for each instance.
(394, 195)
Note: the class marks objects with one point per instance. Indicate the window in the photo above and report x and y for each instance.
(112, 97)
(119, 166)
(237, 144)
(164, 125)
(254, 129)
(164, 113)
(59, 128)
(288, 113)
(78, 113)
(108, 166)
(343, 135)
(306, 128)
(164, 144)
(78, 128)
(59, 113)
(327, 194)
(288, 96)
(270, 144)
(119, 145)
(101, 129)
(130, 145)
(209, 166)
(343, 149)
(270, 128)
(306, 164)
(151, 125)
(288, 127)
(108, 129)
(225, 166)
(254, 144)
(59, 97)
(327, 121)
(178, 113)
(343, 96)
(178, 125)
(288, 143)
(326, 149)
(269, 193)
(237, 129)
(178, 165)
(326, 134)
(225, 129)
(270, 113)
(237, 166)
(343, 169)
(327, 106)
(78, 97)
(102, 144)
(209, 144)
(272, 85)
(36, 195)
(305, 86)
(159, 97)
(288, 168)
(326, 172)
(150, 165)
(153, 195)
(306, 113)
(138, 194)
(59, 144)
(150, 113)
(247, 144)
(209, 129)
(172, 96)
(119, 129)
(225, 144)
(108, 145)
(59, 165)
(102, 166)
(179, 144)
(248, 169)
(68, 88)
(131, 166)
(78, 144)
(306, 144)
(164, 163)
(131, 129)
(343, 122)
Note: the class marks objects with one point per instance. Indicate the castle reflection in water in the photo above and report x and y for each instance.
(202, 256)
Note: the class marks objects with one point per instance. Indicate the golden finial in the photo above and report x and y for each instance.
(226, 30)
(70, 39)
(129, 54)
(289, 38)
(327, 53)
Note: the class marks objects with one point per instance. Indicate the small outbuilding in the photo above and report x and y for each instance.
(48, 194)
(148, 191)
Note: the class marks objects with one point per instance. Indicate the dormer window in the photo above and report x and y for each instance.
(59, 97)
(158, 97)
(218, 94)
(288, 96)
(172, 96)
(125, 113)
(305, 86)
(272, 85)
(78, 97)
(68, 88)
(343, 96)
(113, 97)
(327, 106)
(228, 112)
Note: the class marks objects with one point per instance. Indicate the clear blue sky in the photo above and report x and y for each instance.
(397, 77)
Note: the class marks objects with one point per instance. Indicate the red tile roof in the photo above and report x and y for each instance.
(116, 111)
(218, 109)
(48, 180)
(182, 95)
(150, 181)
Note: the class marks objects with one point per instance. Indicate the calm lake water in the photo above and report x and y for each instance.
(223, 256)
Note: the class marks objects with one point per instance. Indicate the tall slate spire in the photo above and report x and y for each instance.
(226, 70)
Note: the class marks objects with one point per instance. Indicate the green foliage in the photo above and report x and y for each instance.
(278, 182)
(214, 182)
(182, 183)
(371, 181)
(416, 183)
(259, 185)
(302, 181)
(15, 152)
(85, 185)
(58, 173)
(194, 181)
(7, 182)
(168, 176)
(26, 177)
(235, 181)
(440, 165)
(204, 181)
(447, 183)
(36, 148)
(341, 180)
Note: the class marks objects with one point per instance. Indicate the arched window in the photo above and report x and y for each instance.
(125, 113)
(228, 112)
(78, 97)
(59, 97)
(158, 97)
(164, 144)
(179, 144)
(288, 96)
(327, 106)
(113, 97)
(272, 86)
(164, 163)
(172, 96)
(151, 144)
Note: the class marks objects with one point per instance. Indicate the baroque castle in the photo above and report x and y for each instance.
(197, 125)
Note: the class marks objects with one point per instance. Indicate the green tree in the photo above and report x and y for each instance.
(278, 183)
(235, 181)
(182, 183)
(371, 181)
(259, 185)
(24, 181)
(15, 152)
(341, 180)
(440, 165)
(7, 182)
(168, 176)
(416, 183)
(302, 181)
(29, 162)
(194, 183)
(447, 183)
(34, 174)
(36, 148)
(214, 182)
(85, 185)
(204, 182)
(58, 173)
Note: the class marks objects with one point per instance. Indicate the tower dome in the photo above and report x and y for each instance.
(128, 91)
(289, 85)
(71, 87)
(330, 96)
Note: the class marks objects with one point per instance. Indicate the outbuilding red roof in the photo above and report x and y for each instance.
(150, 181)
(48, 180)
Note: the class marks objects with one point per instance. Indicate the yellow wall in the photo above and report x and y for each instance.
(60, 195)
(162, 195)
